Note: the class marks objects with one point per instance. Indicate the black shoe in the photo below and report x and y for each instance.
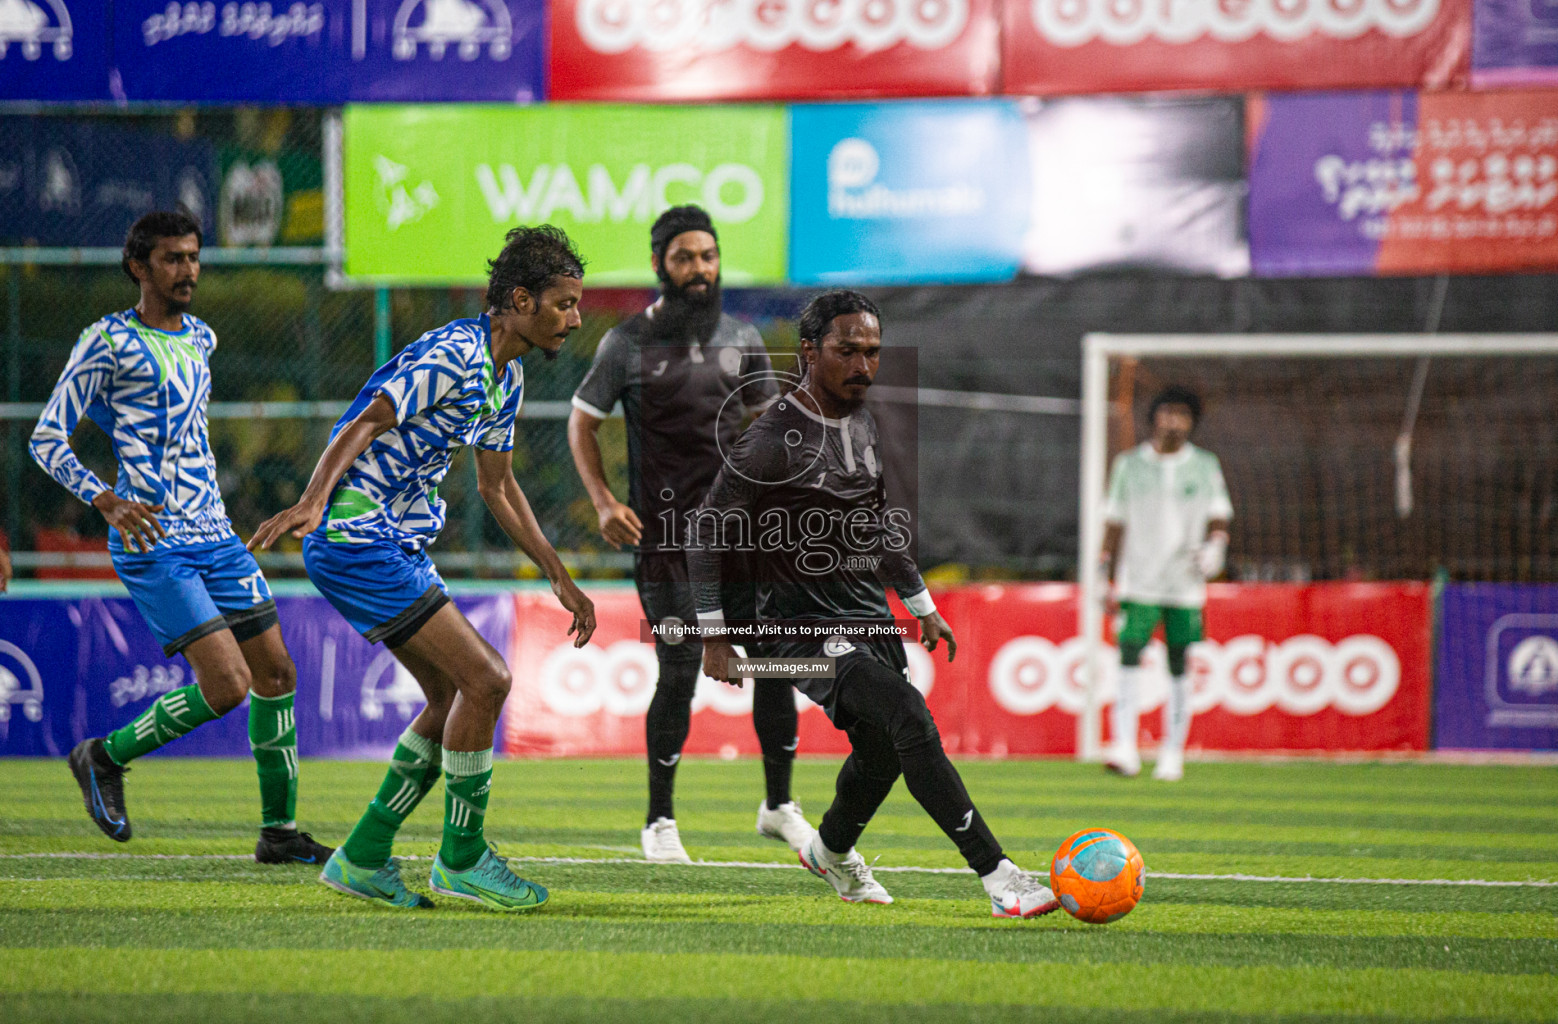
(102, 788)
(289, 846)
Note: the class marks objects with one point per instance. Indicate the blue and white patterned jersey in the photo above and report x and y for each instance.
(446, 396)
(147, 389)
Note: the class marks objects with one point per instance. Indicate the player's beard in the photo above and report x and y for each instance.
(686, 313)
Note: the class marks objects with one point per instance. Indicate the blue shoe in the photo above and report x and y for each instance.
(488, 881)
(102, 788)
(382, 885)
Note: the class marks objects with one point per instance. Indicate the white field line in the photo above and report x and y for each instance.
(777, 866)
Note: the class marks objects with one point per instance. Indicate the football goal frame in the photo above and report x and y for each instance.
(1098, 349)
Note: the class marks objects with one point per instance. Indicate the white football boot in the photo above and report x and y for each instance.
(1170, 766)
(849, 874)
(785, 823)
(663, 844)
(1123, 762)
(1018, 893)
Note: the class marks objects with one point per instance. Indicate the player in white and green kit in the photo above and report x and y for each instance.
(1165, 535)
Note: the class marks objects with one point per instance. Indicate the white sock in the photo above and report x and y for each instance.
(1000, 880)
(1123, 720)
(1176, 716)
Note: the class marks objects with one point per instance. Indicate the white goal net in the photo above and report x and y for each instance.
(1348, 457)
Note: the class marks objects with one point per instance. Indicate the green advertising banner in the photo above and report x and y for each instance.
(431, 190)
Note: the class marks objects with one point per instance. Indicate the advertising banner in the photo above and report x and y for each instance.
(68, 181)
(1397, 183)
(53, 50)
(651, 51)
(1322, 667)
(1078, 46)
(1133, 182)
(270, 198)
(75, 668)
(330, 51)
(431, 191)
(1514, 42)
(907, 192)
(1497, 686)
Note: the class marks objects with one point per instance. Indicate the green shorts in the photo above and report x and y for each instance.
(1181, 628)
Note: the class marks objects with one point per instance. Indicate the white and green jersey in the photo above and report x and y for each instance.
(1164, 502)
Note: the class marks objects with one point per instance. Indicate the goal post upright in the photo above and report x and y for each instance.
(1097, 351)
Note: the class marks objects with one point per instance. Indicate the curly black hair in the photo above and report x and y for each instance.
(1176, 395)
(151, 227)
(532, 258)
(820, 312)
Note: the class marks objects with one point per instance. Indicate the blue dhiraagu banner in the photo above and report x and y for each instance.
(932, 191)
(1496, 684)
(54, 50)
(330, 51)
(71, 668)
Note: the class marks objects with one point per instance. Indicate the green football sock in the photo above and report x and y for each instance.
(273, 738)
(174, 714)
(412, 772)
(467, 784)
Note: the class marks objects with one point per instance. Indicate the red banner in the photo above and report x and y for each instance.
(1081, 46)
(1321, 667)
(1484, 191)
(664, 50)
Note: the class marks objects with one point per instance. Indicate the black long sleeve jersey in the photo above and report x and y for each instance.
(805, 494)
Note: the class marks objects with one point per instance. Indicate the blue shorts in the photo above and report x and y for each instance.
(386, 592)
(188, 591)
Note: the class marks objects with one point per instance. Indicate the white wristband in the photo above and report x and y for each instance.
(712, 623)
(920, 605)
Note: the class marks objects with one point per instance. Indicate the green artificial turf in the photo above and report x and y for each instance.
(179, 925)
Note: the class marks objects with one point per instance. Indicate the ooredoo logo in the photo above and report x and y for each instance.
(710, 26)
(1124, 22)
(1245, 676)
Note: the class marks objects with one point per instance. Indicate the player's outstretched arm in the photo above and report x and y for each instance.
(899, 571)
(619, 524)
(498, 488)
(304, 518)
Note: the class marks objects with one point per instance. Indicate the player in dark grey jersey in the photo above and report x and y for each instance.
(802, 487)
(687, 377)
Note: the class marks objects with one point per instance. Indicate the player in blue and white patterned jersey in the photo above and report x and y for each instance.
(368, 515)
(143, 375)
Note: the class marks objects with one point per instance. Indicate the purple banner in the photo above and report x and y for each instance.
(70, 669)
(1514, 42)
(331, 51)
(1497, 678)
(1326, 170)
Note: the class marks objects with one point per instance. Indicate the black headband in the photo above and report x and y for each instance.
(675, 221)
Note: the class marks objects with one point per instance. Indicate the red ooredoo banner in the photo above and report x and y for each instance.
(662, 50)
(1320, 667)
(1080, 46)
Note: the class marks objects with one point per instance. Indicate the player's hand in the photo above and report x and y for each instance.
(300, 520)
(933, 628)
(1111, 602)
(619, 525)
(1212, 555)
(5, 570)
(137, 525)
(717, 654)
(583, 609)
